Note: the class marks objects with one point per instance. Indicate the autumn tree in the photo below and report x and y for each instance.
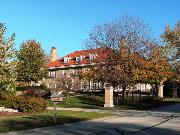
(7, 61)
(171, 38)
(131, 55)
(158, 68)
(31, 62)
(125, 42)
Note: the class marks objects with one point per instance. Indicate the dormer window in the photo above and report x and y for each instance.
(92, 56)
(66, 59)
(78, 59)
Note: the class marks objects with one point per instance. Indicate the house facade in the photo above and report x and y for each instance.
(73, 65)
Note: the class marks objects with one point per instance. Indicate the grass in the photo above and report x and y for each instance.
(85, 101)
(156, 102)
(14, 123)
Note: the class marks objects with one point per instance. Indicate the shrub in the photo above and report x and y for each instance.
(32, 104)
(5, 95)
(24, 104)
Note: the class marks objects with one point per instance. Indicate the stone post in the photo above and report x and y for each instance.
(160, 91)
(108, 96)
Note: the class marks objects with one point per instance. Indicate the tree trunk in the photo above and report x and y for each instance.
(175, 92)
(174, 87)
(67, 98)
(123, 94)
(155, 90)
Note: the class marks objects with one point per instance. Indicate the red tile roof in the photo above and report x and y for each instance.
(72, 61)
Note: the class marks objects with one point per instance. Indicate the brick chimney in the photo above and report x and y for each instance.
(122, 46)
(53, 54)
(122, 42)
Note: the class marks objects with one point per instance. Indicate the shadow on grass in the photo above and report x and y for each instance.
(102, 127)
(97, 102)
(147, 105)
(93, 101)
(31, 122)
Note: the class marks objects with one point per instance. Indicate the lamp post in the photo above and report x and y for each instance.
(56, 98)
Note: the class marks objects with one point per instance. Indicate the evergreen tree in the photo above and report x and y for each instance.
(31, 62)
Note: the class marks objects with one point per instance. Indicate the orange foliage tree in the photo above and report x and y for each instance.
(129, 54)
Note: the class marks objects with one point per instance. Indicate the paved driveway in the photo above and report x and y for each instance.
(160, 121)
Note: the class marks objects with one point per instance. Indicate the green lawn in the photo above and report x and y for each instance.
(14, 123)
(85, 101)
(149, 105)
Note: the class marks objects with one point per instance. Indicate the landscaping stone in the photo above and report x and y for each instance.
(2, 109)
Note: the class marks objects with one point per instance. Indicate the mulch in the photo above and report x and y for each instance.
(5, 114)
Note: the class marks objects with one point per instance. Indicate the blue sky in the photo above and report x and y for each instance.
(65, 23)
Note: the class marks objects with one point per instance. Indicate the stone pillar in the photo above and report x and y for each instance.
(108, 97)
(160, 91)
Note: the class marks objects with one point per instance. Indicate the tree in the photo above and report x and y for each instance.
(66, 84)
(158, 68)
(31, 62)
(125, 42)
(131, 55)
(171, 38)
(7, 61)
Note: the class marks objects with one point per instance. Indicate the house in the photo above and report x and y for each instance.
(73, 65)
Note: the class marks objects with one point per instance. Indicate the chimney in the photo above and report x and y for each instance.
(122, 46)
(53, 54)
(168, 29)
(122, 42)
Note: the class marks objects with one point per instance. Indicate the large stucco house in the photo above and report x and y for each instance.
(76, 63)
(73, 65)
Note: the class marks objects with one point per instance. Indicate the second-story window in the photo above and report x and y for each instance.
(76, 71)
(52, 74)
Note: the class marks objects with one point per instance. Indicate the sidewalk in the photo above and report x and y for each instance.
(79, 109)
(113, 112)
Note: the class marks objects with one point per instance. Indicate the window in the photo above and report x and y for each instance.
(66, 59)
(52, 74)
(76, 71)
(78, 59)
(92, 56)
